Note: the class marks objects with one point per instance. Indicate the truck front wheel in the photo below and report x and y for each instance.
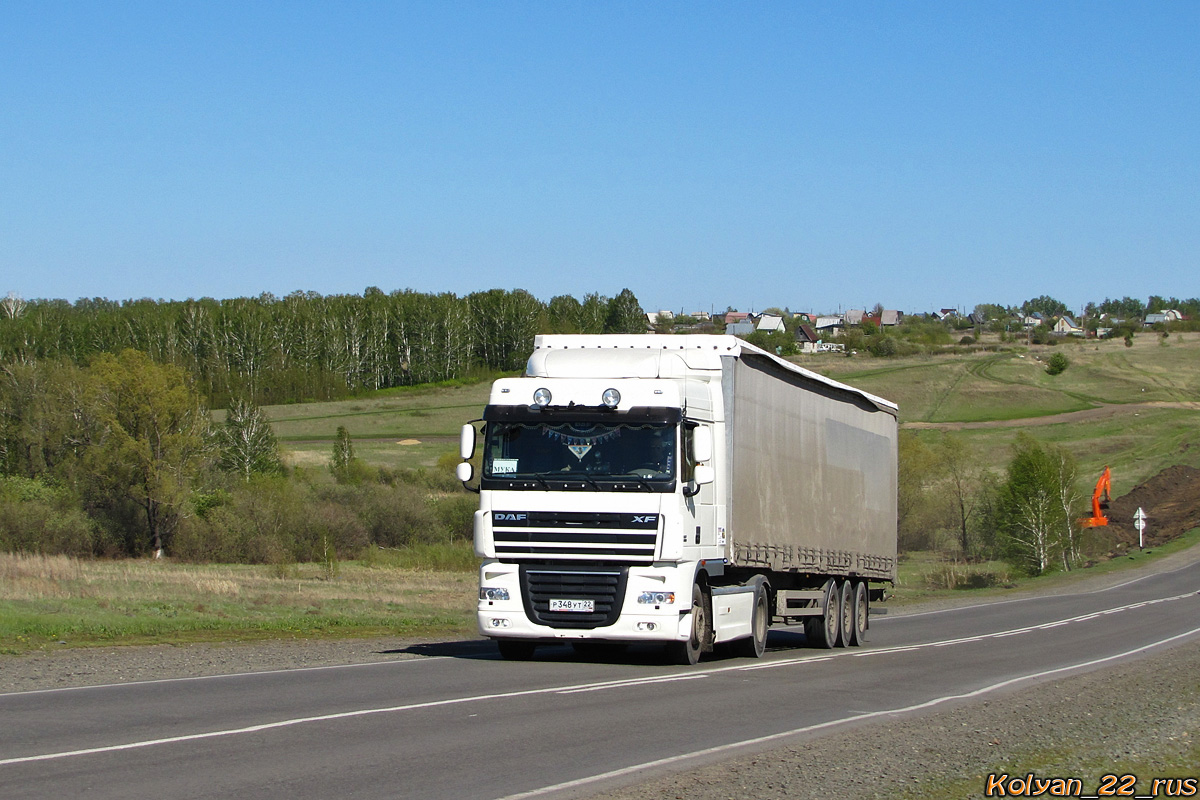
(760, 620)
(688, 652)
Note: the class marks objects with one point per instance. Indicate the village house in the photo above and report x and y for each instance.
(1163, 317)
(742, 328)
(1064, 326)
(829, 322)
(806, 335)
(770, 323)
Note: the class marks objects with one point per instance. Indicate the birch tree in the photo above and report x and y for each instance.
(248, 445)
(1038, 504)
(964, 478)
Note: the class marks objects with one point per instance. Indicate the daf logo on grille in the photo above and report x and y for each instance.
(648, 519)
(506, 516)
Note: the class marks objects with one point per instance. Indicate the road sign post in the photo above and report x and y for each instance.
(1139, 522)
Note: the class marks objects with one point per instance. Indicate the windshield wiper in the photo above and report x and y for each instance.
(537, 476)
(544, 478)
(579, 476)
(633, 476)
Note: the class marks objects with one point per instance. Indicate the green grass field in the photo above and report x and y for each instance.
(402, 428)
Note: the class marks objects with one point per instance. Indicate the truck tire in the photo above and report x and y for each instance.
(861, 614)
(515, 649)
(688, 652)
(822, 631)
(846, 621)
(760, 621)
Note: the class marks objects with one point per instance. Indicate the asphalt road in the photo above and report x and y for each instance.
(458, 722)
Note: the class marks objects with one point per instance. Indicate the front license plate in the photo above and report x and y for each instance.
(584, 606)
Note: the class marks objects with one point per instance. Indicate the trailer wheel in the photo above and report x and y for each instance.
(688, 652)
(822, 631)
(861, 612)
(846, 605)
(515, 649)
(760, 620)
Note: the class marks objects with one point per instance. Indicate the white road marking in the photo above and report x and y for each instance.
(749, 743)
(287, 723)
(681, 676)
(224, 675)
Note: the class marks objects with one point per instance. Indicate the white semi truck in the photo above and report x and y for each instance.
(687, 490)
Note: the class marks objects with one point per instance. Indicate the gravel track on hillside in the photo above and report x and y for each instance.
(1147, 705)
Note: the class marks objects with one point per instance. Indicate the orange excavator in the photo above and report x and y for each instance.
(1100, 500)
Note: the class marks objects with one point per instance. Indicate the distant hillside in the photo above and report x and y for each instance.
(1134, 408)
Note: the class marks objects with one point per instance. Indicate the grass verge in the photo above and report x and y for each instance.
(927, 576)
(50, 602)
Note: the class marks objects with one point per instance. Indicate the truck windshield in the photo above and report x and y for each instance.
(640, 453)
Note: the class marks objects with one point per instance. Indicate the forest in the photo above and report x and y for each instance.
(306, 346)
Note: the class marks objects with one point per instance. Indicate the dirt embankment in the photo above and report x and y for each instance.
(1171, 500)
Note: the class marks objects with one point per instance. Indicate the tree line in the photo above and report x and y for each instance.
(308, 346)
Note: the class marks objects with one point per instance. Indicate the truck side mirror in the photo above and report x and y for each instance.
(466, 442)
(702, 445)
(464, 471)
(703, 473)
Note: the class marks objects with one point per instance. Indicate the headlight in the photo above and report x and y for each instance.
(492, 593)
(541, 397)
(656, 598)
(611, 397)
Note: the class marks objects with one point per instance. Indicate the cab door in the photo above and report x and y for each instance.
(703, 540)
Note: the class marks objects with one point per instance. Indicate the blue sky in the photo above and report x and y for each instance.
(704, 155)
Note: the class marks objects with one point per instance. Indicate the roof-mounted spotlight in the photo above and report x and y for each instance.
(541, 397)
(611, 398)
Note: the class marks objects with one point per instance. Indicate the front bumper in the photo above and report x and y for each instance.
(635, 622)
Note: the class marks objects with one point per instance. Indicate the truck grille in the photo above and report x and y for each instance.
(604, 587)
(594, 537)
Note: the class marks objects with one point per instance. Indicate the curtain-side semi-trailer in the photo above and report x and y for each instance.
(687, 490)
